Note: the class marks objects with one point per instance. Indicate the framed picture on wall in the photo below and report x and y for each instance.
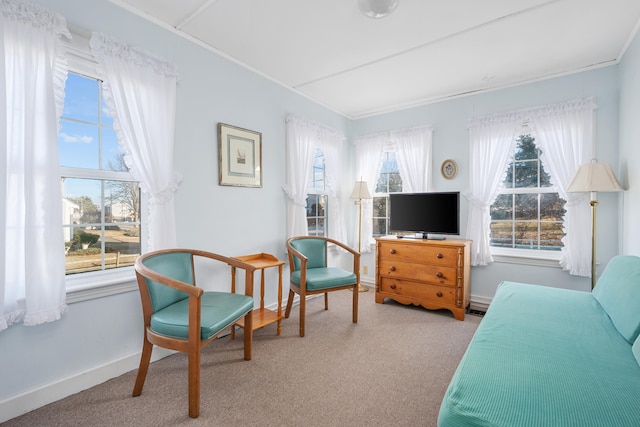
(239, 156)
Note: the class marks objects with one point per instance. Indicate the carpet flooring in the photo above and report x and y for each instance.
(390, 369)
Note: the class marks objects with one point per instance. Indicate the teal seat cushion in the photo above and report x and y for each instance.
(218, 311)
(325, 278)
(618, 292)
(636, 350)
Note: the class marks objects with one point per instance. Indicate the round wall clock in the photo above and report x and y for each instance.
(449, 169)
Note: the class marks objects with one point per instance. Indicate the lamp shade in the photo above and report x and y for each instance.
(377, 8)
(360, 191)
(594, 176)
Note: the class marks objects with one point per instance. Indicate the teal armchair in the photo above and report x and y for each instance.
(180, 316)
(310, 273)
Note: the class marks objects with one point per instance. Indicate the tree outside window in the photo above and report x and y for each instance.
(528, 213)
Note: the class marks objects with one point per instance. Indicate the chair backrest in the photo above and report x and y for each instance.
(313, 248)
(177, 265)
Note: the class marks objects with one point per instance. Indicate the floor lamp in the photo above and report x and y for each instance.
(360, 192)
(591, 178)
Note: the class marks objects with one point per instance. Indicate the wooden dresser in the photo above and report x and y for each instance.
(434, 274)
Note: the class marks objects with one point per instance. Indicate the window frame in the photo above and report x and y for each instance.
(385, 195)
(314, 191)
(538, 257)
(97, 284)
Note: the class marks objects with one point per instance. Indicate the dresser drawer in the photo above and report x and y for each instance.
(430, 294)
(420, 272)
(423, 254)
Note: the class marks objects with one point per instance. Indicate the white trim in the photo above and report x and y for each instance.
(538, 258)
(479, 302)
(48, 393)
(97, 284)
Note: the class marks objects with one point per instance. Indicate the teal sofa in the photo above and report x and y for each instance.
(546, 356)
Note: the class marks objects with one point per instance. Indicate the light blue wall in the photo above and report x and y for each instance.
(630, 146)
(450, 141)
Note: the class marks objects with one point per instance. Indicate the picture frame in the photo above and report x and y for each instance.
(239, 156)
(449, 169)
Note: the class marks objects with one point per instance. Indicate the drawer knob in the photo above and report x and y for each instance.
(439, 275)
(439, 256)
(392, 268)
(439, 294)
(393, 251)
(393, 286)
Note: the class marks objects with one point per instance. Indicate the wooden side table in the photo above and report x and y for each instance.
(261, 316)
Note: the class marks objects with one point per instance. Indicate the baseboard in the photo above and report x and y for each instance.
(49, 393)
(479, 302)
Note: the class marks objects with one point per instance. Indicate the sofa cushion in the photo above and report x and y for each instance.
(636, 350)
(618, 292)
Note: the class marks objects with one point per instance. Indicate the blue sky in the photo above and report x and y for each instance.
(86, 137)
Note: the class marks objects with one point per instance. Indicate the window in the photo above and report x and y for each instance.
(101, 201)
(317, 197)
(528, 213)
(389, 181)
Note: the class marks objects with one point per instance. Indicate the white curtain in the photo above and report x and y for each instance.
(413, 153)
(32, 77)
(369, 151)
(491, 145)
(301, 148)
(331, 144)
(565, 134)
(303, 138)
(140, 91)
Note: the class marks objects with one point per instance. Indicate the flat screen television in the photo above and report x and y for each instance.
(425, 213)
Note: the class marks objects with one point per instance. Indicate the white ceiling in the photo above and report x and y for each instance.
(425, 51)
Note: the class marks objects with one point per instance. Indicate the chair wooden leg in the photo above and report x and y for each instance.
(355, 303)
(303, 312)
(145, 359)
(248, 335)
(326, 300)
(194, 382)
(287, 311)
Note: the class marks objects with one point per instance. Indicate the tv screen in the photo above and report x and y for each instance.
(426, 213)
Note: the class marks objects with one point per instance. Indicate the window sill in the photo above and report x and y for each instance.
(87, 286)
(527, 257)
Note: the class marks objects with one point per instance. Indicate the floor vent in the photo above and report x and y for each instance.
(476, 312)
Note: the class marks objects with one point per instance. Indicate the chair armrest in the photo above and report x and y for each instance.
(356, 255)
(233, 262)
(293, 252)
(142, 271)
